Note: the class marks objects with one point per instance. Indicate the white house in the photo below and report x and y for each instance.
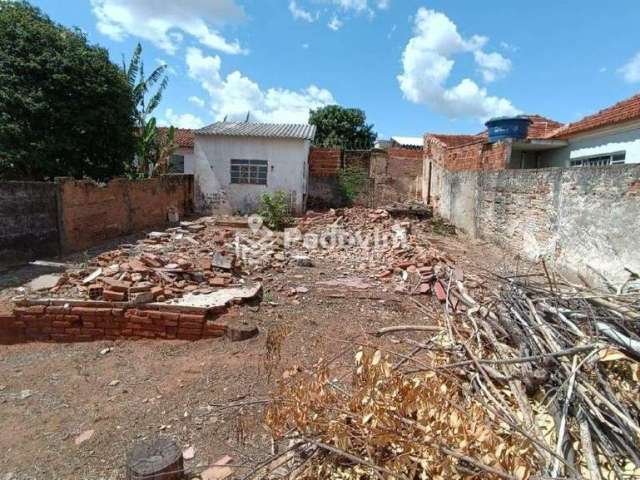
(183, 159)
(236, 162)
(608, 137)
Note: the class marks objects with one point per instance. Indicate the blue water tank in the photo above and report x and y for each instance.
(502, 128)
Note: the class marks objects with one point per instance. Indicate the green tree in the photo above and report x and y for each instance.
(342, 127)
(147, 134)
(65, 108)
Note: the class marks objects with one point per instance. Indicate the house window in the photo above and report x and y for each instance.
(176, 164)
(600, 160)
(252, 172)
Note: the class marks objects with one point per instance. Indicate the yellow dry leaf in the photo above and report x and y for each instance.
(520, 472)
(611, 355)
(366, 418)
(376, 358)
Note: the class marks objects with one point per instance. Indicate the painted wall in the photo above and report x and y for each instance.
(580, 219)
(606, 141)
(189, 159)
(287, 170)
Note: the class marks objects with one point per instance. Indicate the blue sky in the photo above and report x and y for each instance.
(413, 66)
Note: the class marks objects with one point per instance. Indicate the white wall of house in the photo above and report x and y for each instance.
(624, 138)
(287, 168)
(189, 158)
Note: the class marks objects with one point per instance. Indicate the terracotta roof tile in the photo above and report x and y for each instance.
(623, 111)
(184, 137)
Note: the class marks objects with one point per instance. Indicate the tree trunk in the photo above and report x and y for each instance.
(155, 459)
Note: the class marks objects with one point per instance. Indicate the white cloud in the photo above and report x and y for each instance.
(427, 65)
(335, 24)
(236, 94)
(300, 13)
(630, 71)
(492, 65)
(186, 120)
(197, 101)
(383, 4)
(165, 25)
(357, 5)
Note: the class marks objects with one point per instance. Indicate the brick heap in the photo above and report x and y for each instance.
(89, 321)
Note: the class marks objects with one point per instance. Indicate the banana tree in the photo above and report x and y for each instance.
(141, 86)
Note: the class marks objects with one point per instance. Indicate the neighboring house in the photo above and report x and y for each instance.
(609, 137)
(237, 162)
(183, 159)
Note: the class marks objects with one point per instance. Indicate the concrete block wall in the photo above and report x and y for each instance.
(28, 220)
(581, 219)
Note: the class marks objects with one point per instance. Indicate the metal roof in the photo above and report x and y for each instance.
(409, 141)
(273, 130)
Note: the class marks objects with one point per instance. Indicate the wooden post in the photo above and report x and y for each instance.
(156, 459)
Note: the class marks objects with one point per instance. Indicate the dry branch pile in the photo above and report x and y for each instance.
(537, 380)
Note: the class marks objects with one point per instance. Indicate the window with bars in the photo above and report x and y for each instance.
(600, 160)
(251, 172)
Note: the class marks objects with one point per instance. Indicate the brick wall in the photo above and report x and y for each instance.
(43, 218)
(324, 162)
(477, 156)
(404, 162)
(76, 321)
(28, 221)
(580, 219)
(92, 214)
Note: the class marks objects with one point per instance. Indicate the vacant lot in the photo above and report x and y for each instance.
(208, 395)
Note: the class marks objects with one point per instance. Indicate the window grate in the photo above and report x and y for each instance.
(600, 160)
(249, 172)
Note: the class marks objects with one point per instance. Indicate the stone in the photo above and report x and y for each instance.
(302, 261)
(140, 298)
(44, 282)
(114, 383)
(83, 437)
(189, 453)
(219, 470)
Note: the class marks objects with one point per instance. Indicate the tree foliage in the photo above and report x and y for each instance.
(342, 127)
(65, 108)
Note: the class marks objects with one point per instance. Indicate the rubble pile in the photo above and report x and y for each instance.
(193, 258)
(538, 378)
(393, 250)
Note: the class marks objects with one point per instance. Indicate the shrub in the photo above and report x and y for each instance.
(274, 210)
(351, 181)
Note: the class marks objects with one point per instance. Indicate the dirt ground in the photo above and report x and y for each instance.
(209, 394)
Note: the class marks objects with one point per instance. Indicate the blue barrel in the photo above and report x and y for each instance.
(508, 127)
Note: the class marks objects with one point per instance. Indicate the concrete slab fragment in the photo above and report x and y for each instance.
(217, 299)
(43, 282)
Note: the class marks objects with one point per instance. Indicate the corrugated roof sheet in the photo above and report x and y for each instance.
(272, 130)
(409, 141)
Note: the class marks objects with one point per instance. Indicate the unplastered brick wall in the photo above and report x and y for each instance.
(46, 218)
(582, 219)
(92, 213)
(324, 162)
(78, 321)
(478, 156)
